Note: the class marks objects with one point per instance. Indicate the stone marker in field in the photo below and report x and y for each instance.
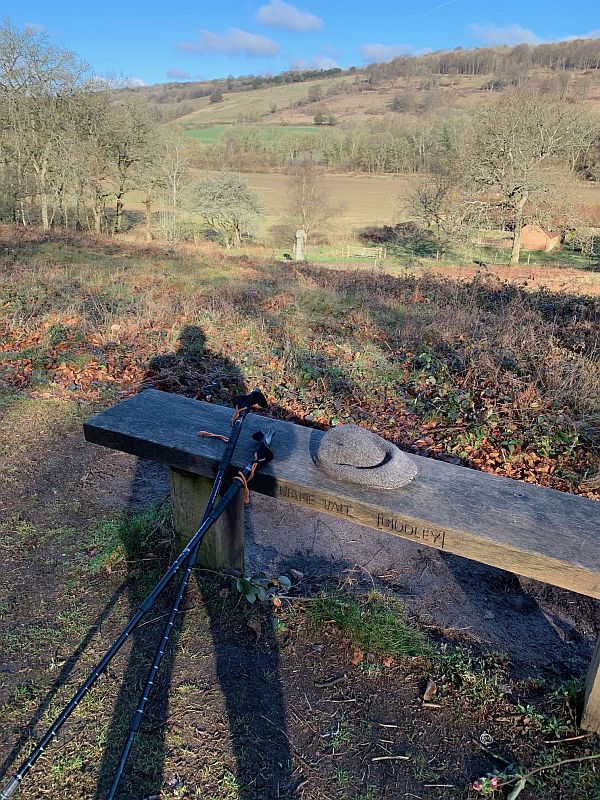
(300, 236)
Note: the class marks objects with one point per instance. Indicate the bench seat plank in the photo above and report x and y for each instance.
(529, 530)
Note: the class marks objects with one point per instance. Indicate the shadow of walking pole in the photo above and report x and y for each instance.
(62, 678)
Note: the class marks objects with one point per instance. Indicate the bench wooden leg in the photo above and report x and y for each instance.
(590, 720)
(223, 545)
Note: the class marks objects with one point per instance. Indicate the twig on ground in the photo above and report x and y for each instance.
(391, 758)
(555, 765)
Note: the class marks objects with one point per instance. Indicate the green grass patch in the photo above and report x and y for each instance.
(376, 622)
(126, 537)
(477, 679)
(269, 134)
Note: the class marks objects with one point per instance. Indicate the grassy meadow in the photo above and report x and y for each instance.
(267, 133)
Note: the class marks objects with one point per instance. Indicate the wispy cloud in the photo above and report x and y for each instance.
(178, 74)
(371, 53)
(436, 8)
(317, 62)
(287, 17)
(134, 82)
(234, 42)
(489, 34)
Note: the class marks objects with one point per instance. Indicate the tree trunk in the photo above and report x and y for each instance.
(44, 209)
(119, 213)
(516, 245)
(148, 207)
(97, 212)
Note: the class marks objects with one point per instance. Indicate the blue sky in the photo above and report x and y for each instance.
(152, 42)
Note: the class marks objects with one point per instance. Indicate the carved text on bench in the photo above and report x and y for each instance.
(401, 526)
(385, 522)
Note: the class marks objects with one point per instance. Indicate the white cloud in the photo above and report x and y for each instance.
(134, 82)
(178, 74)
(318, 62)
(590, 35)
(492, 35)
(234, 42)
(371, 53)
(287, 17)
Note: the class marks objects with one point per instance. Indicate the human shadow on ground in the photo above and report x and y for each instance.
(248, 675)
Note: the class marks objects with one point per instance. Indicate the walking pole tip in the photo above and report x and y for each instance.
(11, 787)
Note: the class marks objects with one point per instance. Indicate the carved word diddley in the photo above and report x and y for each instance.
(401, 527)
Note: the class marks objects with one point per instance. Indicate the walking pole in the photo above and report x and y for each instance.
(244, 403)
(263, 454)
(14, 783)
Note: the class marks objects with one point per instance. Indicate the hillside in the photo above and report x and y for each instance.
(271, 104)
(353, 97)
(445, 81)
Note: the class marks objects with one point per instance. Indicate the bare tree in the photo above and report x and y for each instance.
(512, 157)
(38, 82)
(431, 200)
(228, 206)
(308, 201)
(131, 144)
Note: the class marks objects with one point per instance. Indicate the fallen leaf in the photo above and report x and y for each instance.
(358, 656)
(430, 690)
(388, 662)
(255, 626)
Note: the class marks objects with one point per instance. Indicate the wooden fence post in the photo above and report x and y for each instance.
(590, 720)
(223, 545)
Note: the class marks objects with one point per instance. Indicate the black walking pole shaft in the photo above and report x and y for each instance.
(11, 787)
(14, 783)
(168, 629)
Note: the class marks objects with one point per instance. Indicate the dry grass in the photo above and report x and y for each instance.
(254, 104)
(481, 371)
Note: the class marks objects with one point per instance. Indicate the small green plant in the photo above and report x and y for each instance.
(478, 679)
(571, 691)
(342, 776)
(261, 589)
(339, 734)
(370, 793)
(486, 786)
(376, 622)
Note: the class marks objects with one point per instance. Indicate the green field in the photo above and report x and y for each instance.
(268, 133)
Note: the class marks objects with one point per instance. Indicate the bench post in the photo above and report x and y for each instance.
(590, 720)
(223, 546)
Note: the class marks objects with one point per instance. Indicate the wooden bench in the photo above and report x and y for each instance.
(529, 530)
